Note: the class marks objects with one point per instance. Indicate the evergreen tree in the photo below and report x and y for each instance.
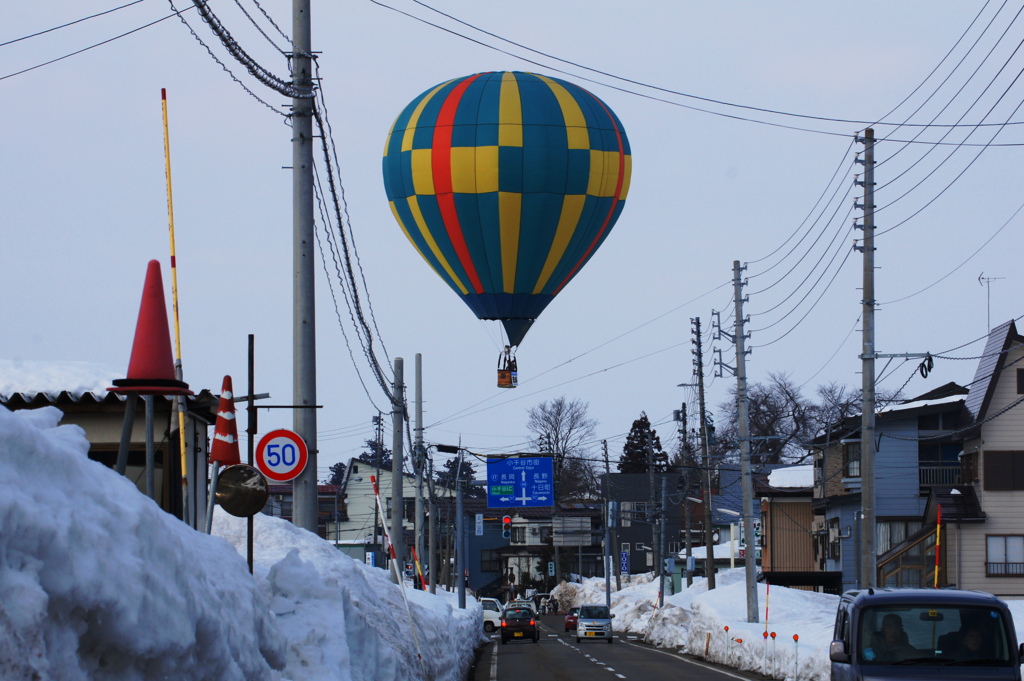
(337, 474)
(450, 471)
(640, 440)
(376, 454)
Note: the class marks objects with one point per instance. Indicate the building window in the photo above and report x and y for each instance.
(489, 561)
(835, 540)
(519, 534)
(1004, 556)
(889, 533)
(1004, 470)
(1020, 381)
(851, 460)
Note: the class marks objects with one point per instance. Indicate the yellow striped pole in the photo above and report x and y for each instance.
(179, 400)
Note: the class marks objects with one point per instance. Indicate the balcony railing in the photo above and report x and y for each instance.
(1005, 569)
(939, 475)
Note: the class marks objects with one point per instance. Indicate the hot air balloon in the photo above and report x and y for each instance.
(507, 183)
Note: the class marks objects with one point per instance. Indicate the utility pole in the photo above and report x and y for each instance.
(460, 532)
(418, 460)
(609, 563)
(867, 426)
(304, 488)
(397, 496)
(661, 539)
(744, 431)
(652, 506)
(434, 564)
(709, 543)
(684, 446)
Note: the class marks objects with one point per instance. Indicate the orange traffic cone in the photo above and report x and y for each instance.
(225, 434)
(151, 367)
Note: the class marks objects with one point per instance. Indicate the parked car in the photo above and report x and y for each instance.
(570, 619)
(519, 623)
(594, 621)
(918, 634)
(492, 613)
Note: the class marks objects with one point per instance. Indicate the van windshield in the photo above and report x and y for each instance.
(950, 635)
(594, 612)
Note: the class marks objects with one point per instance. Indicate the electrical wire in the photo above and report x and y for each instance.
(71, 23)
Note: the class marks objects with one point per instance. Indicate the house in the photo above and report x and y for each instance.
(916, 451)
(787, 556)
(633, 533)
(984, 514)
(331, 509)
(102, 417)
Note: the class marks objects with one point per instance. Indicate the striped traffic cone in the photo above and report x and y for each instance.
(225, 444)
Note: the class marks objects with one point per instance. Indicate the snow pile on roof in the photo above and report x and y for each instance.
(100, 584)
(33, 377)
(792, 477)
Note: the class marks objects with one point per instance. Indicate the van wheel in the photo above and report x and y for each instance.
(488, 627)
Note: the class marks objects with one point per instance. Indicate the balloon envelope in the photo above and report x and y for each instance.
(507, 183)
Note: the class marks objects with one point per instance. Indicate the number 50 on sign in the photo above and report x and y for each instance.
(281, 455)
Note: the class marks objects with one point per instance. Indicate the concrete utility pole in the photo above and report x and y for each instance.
(684, 446)
(609, 563)
(867, 425)
(304, 488)
(397, 460)
(652, 504)
(744, 431)
(709, 543)
(435, 571)
(460, 533)
(661, 538)
(418, 459)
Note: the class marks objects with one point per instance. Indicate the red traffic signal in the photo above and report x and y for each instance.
(506, 526)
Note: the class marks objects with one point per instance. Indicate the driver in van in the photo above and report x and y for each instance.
(891, 642)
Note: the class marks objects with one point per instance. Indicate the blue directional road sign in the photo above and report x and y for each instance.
(624, 562)
(520, 482)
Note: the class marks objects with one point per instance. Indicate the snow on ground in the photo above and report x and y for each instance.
(694, 621)
(99, 584)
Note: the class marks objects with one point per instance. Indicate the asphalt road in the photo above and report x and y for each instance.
(558, 657)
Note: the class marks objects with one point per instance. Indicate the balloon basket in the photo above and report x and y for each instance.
(507, 378)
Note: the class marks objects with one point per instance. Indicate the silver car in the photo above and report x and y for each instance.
(595, 621)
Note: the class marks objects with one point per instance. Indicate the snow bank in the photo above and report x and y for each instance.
(99, 584)
(694, 621)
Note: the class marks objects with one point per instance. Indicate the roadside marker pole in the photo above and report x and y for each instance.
(398, 577)
(419, 569)
(178, 399)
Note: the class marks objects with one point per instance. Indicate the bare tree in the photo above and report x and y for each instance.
(564, 429)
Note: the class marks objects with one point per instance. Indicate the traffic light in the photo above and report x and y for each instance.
(506, 527)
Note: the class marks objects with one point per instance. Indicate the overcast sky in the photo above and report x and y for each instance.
(742, 120)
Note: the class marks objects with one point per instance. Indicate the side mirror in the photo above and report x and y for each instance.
(1020, 652)
(837, 652)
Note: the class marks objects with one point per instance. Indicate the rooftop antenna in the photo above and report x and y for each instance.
(987, 282)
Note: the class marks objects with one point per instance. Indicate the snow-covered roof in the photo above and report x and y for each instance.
(952, 399)
(792, 477)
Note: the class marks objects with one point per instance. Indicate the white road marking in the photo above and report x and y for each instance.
(494, 663)
(693, 662)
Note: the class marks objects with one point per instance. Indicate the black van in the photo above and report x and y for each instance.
(917, 634)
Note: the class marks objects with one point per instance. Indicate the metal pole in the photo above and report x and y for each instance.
(418, 457)
(460, 530)
(250, 431)
(130, 403)
(150, 450)
(304, 268)
(397, 461)
(744, 432)
(867, 428)
(435, 572)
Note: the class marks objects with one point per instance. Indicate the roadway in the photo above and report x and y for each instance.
(558, 657)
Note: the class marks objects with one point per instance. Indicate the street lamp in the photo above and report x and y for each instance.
(732, 535)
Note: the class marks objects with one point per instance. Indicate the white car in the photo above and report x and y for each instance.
(526, 603)
(492, 614)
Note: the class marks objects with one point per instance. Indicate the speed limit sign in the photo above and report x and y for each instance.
(281, 455)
